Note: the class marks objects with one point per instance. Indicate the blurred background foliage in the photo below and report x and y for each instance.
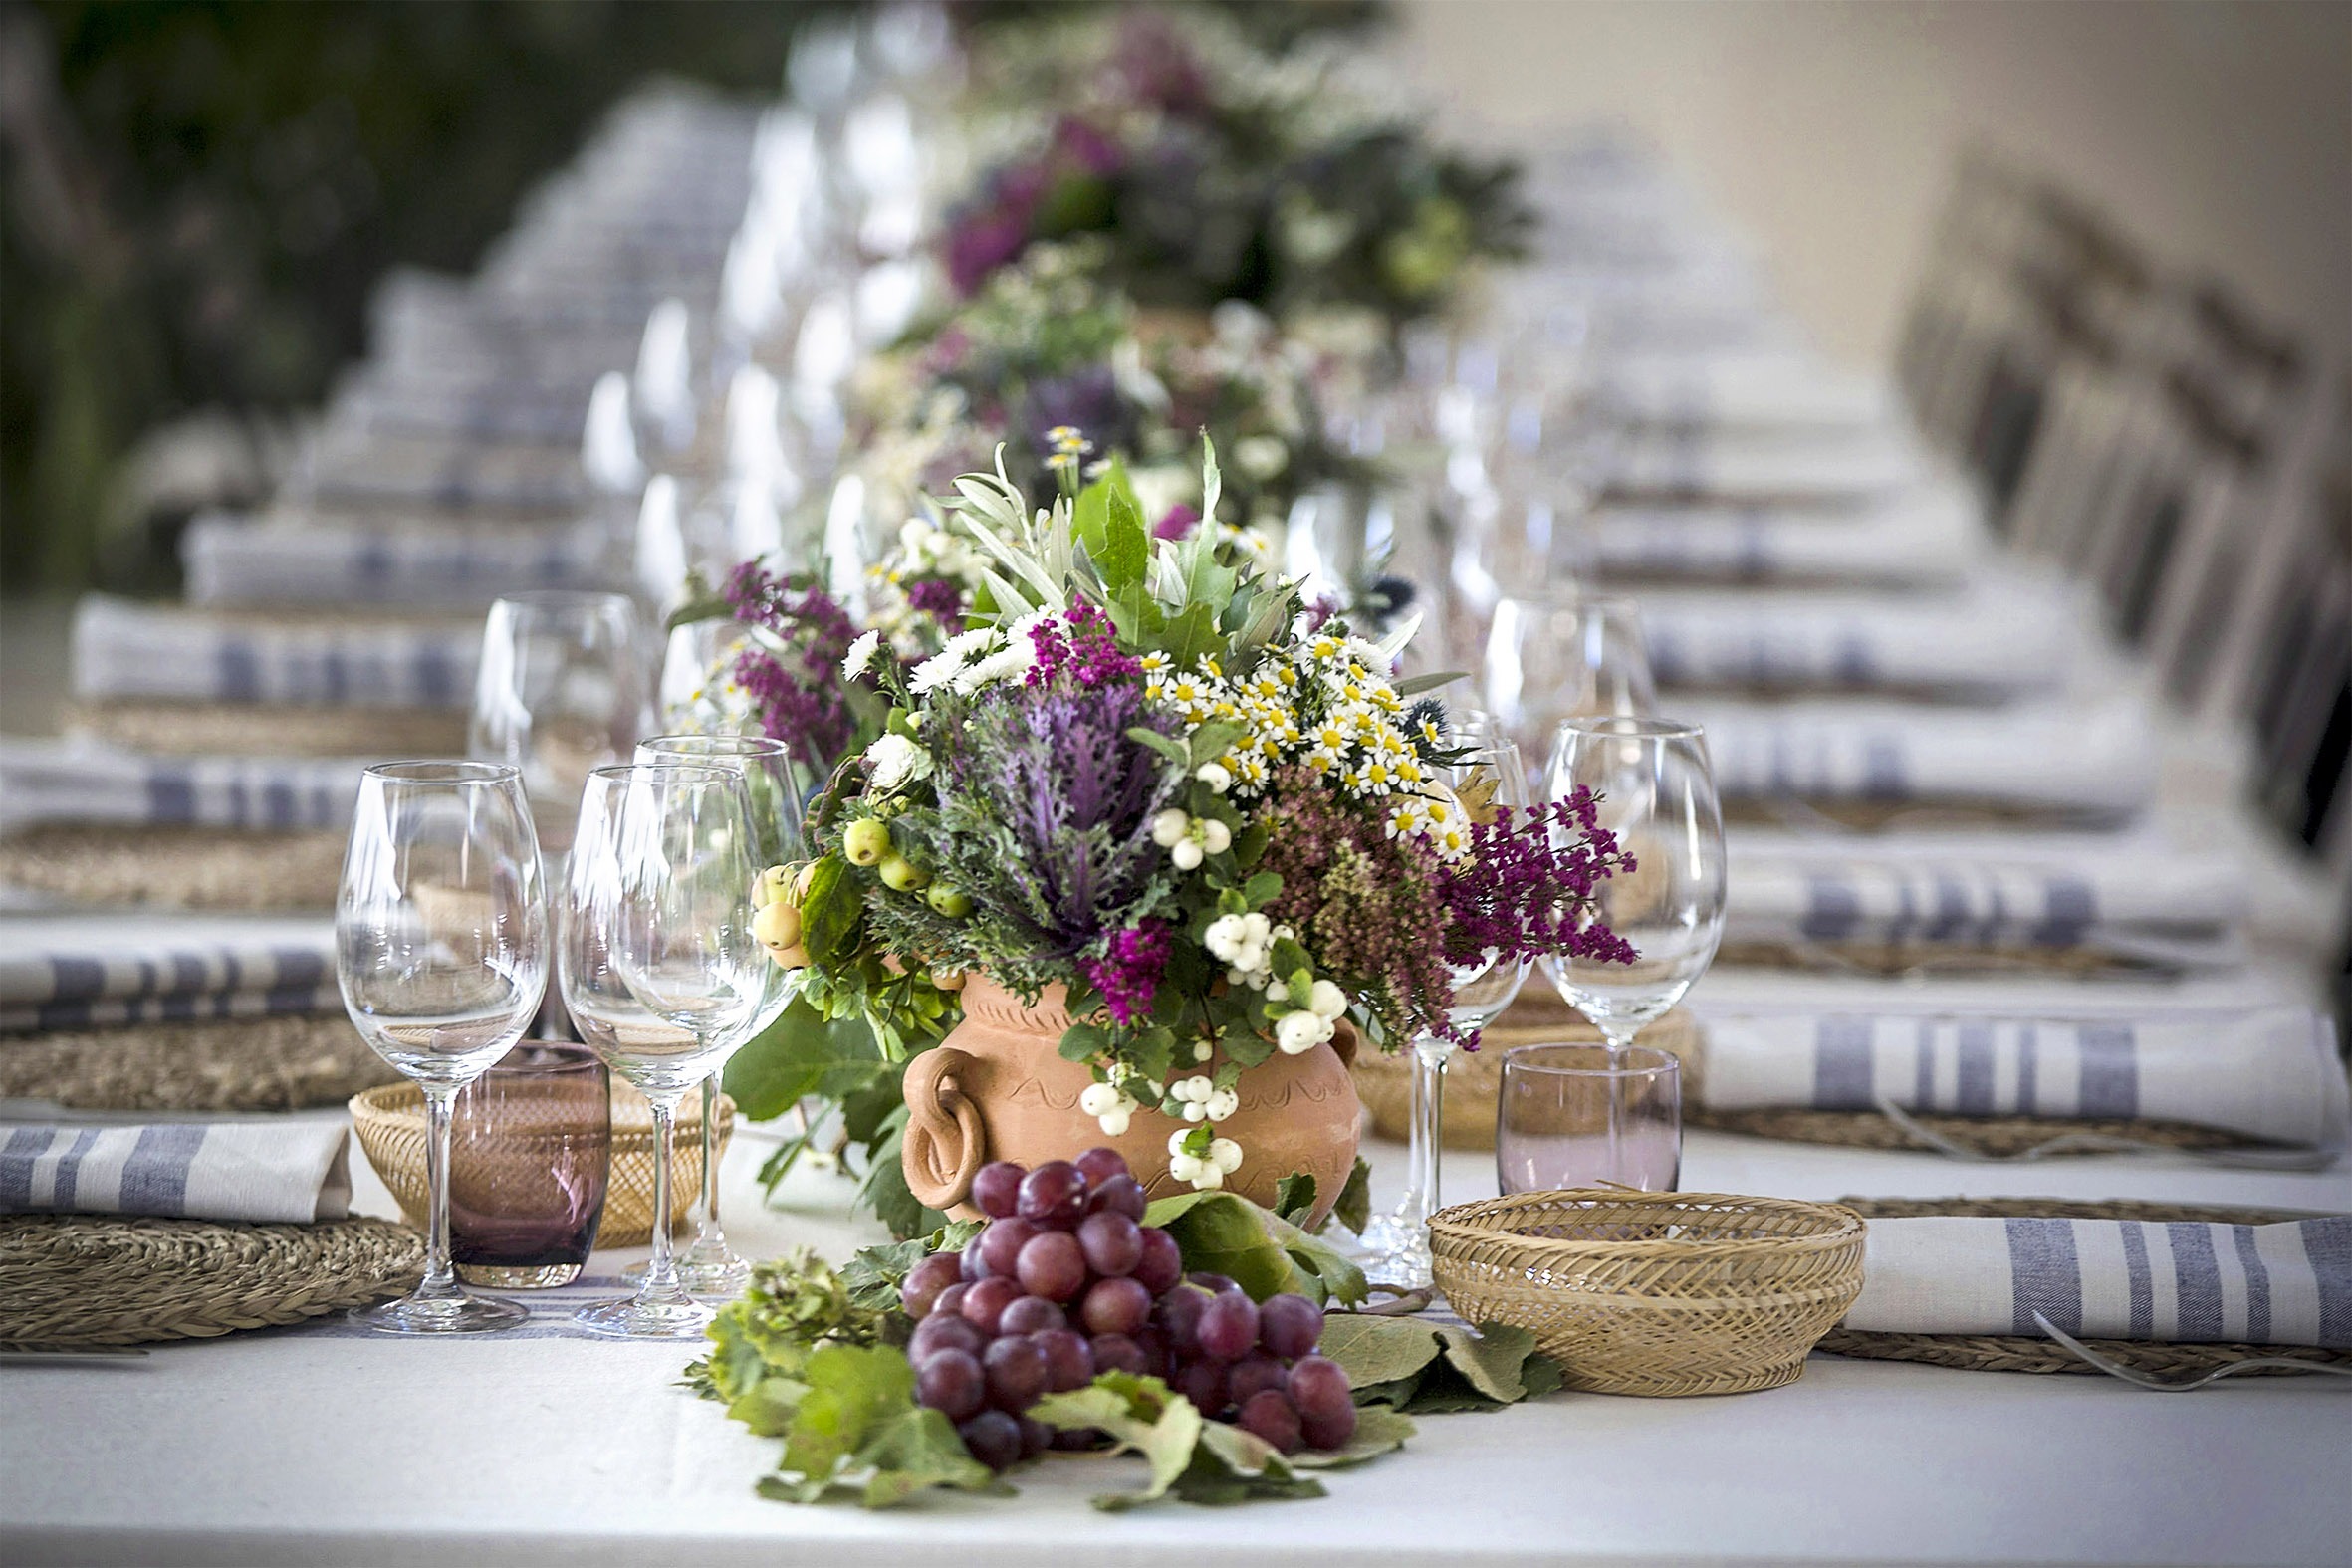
(195, 199)
(199, 196)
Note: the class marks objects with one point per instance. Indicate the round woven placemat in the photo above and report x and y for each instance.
(2032, 1353)
(176, 867)
(213, 1064)
(78, 1281)
(234, 729)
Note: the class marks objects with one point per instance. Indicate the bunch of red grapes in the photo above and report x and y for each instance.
(1066, 1281)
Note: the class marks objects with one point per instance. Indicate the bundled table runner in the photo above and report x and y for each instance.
(1978, 644)
(2273, 1075)
(1915, 540)
(2133, 900)
(2191, 1282)
(2091, 763)
(125, 648)
(232, 560)
(77, 973)
(74, 782)
(261, 1172)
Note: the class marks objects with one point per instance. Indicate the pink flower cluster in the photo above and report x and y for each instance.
(1082, 647)
(1524, 888)
(1129, 973)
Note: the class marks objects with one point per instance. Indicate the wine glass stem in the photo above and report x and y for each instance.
(1425, 1156)
(1617, 1038)
(661, 1275)
(440, 1278)
(709, 1230)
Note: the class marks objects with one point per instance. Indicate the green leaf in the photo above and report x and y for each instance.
(1376, 1351)
(872, 1276)
(1212, 740)
(1263, 888)
(1293, 1197)
(802, 1052)
(1224, 1233)
(1142, 1415)
(1212, 484)
(1126, 547)
(1083, 1041)
(1190, 634)
(1167, 746)
(1354, 1208)
(1415, 685)
(830, 911)
(858, 1428)
(1427, 1368)
(1377, 1431)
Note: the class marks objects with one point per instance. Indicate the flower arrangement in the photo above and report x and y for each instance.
(1153, 776)
(1218, 171)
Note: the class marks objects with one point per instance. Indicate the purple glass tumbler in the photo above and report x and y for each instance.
(530, 1156)
(1573, 1116)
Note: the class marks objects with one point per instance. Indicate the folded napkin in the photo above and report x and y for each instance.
(2259, 1284)
(2098, 762)
(1745, 390)
(232, 560)
(75, 781)
(1912, 540)
(534, 479)
(2133, 900)
(1748, 464)
(285, 1171)
(1978, 644)
(2272, 1076)
(129, 648)
(89, 973)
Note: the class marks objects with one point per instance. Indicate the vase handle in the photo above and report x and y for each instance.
(945, 1143)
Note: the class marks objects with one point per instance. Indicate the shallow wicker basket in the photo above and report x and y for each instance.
(1474, 1079)
(391, 1125)
(1659, 1293)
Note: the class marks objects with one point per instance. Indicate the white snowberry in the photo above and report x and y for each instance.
(1300, 1031)
(1223, 1104)
(1328, 1000)
(1169, 827)
(1225, 1155)
(1216, 838)
(1216, 776)
(1187, 854)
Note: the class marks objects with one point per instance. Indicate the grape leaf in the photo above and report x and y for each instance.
(1293, 1197)
(1377, 1351)
(801, 1054)
(1426, 1368)
(1142, 1415)
(1354, 1208)
(1223, 1233)
(1377, 1431)
(873, 1277)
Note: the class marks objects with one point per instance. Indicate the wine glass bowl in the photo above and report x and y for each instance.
(441, 951)
(1654, 790)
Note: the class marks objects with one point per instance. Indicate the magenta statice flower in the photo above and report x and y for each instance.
(795, 696)
(940, 600)
(1081, 649)
(1129, 973)
(1526, 887)
(1176, 522)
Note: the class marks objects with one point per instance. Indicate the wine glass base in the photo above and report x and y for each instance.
(723, 1278)
(632, 1318)
(449, 1315)
(499, 1276)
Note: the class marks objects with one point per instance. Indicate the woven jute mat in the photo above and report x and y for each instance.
(2030, 1353)
(213, 1064)
(78, 1281)
(233, 729)
(1994, 1136)
(176, 867)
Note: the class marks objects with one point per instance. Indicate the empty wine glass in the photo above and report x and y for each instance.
(1565, 655)
(1483, 989)
(561, 690)
(776, 786)
(698, 688)
(1654, 790)
(661, 972)
(442, 949)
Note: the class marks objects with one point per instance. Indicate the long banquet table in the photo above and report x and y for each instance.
(325, 1444)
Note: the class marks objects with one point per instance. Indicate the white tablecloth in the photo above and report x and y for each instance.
(313, 1446)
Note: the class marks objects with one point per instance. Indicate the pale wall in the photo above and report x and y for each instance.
(2220, 134)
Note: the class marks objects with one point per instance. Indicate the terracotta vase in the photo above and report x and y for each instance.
(996, 1088)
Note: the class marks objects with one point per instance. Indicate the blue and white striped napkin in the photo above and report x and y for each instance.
(1994, 645)
(1751, 465)
(232, 560)
(1766, 390)
(2096, 762)
(93, 976)
(129, 648)
(282, 1171)
(1918, 538)
(2130, 900)
(2273, 1074)
(2195, 1283)
(78, 782)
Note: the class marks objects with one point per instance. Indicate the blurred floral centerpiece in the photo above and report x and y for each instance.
(1136, 855)
(1219, 171)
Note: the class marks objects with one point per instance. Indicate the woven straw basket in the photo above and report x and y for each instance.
(391, 1125)
(1474, 1079)
(1659, 1293)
